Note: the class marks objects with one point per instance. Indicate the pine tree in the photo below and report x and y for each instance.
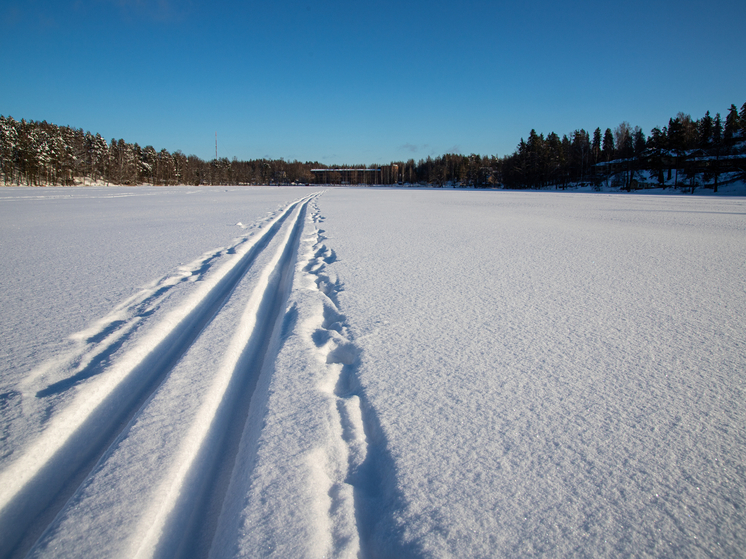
(705, 131)
(638, 138)
(534, 147)
(656, 143)
(607, 151)
(676, 143)
(608, 145)
(717, 130)
(675, 134)
(656, 139)
(555, 160)
(566, 158)
(717, 140)
(581, 147)
(596, 145)
(689, 131)
(732, 125)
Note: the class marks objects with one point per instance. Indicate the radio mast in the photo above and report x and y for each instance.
(216, 146)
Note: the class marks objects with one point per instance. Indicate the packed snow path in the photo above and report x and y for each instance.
(179, 398)
(371, 373)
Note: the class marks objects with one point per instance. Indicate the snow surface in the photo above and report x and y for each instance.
(246, 372)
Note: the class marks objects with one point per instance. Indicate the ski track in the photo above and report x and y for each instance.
(94, 345)
(313, 477)
(186, 521)
(108, 391)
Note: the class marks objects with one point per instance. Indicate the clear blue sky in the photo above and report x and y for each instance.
(365, 82)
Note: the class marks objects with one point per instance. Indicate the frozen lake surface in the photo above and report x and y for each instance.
(225, 372)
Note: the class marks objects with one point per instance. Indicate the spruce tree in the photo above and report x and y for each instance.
(717, 140)
(607, 150)
(705, 131)
(596, 145)
(638, 137)
(732, 125)
(675, 134)
(608, 145)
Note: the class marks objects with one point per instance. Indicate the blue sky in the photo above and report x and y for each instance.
(365, 82)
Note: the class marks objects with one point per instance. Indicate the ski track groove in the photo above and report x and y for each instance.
(37, 484)
(94, 345)
(187, 520)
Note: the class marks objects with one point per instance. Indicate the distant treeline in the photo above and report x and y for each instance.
(693, 151)
(39, 153)
(687, 152)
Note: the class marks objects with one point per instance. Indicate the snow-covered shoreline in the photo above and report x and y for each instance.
(451, 374)
(733, 187)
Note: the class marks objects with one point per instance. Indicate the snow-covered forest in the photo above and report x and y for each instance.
(39, 153)
(686, 154)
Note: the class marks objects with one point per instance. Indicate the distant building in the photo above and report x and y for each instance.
(386, 174)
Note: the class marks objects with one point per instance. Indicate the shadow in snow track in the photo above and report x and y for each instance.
(36, 504)
(191, 528)
(107, 341)
(371, 469)
(96, 365)
(378, 497)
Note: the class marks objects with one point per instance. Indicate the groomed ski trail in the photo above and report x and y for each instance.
(313, 481)
(36, 485)
(179, 518)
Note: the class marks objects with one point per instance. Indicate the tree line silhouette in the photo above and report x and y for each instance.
(39, 153)
(686, 153)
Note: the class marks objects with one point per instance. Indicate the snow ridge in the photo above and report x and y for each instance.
(338, 355)
(36, 485)
(355, 483)
(359, 469)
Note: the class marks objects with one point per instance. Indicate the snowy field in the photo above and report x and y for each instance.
(376, 373)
